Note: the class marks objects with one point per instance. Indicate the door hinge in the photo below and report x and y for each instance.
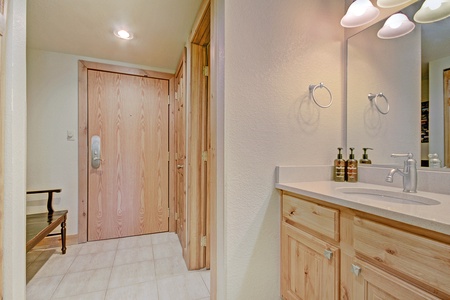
(168, 99)
(176, 95)
(176, 216)
(205, 155)
(168, 155)
(206, 71)
(203, 241)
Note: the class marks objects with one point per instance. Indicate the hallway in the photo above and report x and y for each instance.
(140, 267)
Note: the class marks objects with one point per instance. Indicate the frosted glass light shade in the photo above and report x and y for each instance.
(359, 13)
(396, 26)
(432, 11)
(390, 3)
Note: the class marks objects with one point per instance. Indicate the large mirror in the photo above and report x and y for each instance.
(409, 71)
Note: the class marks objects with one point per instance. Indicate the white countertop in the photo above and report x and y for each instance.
(432, 217)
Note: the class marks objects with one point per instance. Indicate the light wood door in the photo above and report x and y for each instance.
(180, 148)
(375, 284)
(447, 117)
(309, 266)
(128, 193)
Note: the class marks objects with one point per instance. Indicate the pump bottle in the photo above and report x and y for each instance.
(365, 158)
(352, 167)
(339, 168)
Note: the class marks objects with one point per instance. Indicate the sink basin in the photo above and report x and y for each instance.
(389, 196)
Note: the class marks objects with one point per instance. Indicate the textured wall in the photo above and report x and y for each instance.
(273, 51)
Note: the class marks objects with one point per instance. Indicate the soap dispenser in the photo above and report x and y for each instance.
(365, 158)
(352, 167)
(434, 161)
(339, 167)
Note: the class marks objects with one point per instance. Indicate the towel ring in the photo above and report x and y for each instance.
(312, 89)
(374, 97)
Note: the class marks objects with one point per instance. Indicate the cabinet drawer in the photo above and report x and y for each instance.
(421, 259)
(320, 219)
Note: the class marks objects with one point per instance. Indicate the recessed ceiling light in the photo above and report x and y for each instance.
(123, 34)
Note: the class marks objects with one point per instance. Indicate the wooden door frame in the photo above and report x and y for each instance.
(199, 177)
(83, 67)
(181, 69)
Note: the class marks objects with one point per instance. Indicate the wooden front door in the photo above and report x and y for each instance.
(180, 148)
(128, 191)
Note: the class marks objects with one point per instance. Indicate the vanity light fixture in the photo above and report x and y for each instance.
(432, 11)
(391, 3)
(396, 26)
(123, 34)
(359, 13)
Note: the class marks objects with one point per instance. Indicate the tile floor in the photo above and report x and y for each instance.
(142, 267)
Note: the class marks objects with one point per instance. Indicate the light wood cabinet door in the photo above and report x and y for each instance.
(371, 283)
(309, 266)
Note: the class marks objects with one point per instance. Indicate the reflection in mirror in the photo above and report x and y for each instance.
(398, 68)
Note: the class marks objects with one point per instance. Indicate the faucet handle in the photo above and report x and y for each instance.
(408, 155)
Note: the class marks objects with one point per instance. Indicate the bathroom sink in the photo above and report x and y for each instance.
(389, 196)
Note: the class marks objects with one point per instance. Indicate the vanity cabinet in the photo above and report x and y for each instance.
(334, 252)
(310, 256)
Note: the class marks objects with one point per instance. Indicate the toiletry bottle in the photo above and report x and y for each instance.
(434, 161)
(365, 158)
(339, 167)
(352, 167)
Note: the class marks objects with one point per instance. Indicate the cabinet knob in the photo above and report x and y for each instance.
(356, 269)
(328, 254)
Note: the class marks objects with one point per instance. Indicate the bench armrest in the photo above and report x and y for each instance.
(49, 199)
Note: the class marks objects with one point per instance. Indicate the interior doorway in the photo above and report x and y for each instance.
(123, 181)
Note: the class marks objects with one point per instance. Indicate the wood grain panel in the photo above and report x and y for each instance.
(128, 193)
(375, 284)
(320, 219)
(306, 273)
(180, 149)
(419, 258)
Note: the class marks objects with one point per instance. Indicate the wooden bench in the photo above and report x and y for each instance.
(40, 225)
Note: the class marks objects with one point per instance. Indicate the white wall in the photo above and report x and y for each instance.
(52, 160)
(273, 51)
(14, 83)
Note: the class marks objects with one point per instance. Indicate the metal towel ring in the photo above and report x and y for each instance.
(373, 98)
(312, 89)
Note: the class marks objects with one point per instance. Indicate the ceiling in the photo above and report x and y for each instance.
(85, 27)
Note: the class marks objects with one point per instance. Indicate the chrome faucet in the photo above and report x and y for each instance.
(409, 173)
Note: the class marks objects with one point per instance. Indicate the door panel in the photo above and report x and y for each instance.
(128, 193)
(180, 148)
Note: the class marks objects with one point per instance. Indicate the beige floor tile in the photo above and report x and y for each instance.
(100, 295)
(165, 237)
(80, 283)
(92, 261)
(135, 241)
(99, 246)
(206, 276)
(168, 249)
(170, 266)
(124, 275)
(56, 265)
(42, 288)
(127, 256)
(189, 286)
(141, 291)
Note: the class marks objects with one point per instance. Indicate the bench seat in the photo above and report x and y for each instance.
(40, 225)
